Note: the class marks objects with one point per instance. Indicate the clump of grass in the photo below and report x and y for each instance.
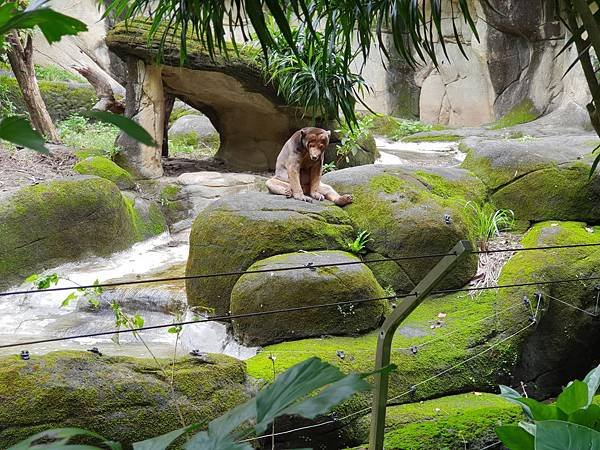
(190, 145)
(395, 129)
(89, 138)
(52, 72)
(359, 245)
(486, 223)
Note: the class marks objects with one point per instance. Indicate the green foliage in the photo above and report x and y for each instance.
(89, 138)
(329, 167)
(190, 145)
(289, 394)
(52, 72)
(359, 245)
(396, 129)
(486, 223)
(42, 281)
(45, 281)
(18, 130)
(306, 78)
(571, 423)
(128, 126)
(351, 135)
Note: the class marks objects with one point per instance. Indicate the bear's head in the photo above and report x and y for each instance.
(315, 141)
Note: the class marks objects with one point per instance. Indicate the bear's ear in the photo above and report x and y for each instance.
(328, 133)
(302, 133)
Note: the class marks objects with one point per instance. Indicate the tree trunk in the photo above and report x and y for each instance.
(21, 62)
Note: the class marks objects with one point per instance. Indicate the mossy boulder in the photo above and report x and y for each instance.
(47, 224)
(456, 421)
(105, 168)
(234, 232)
(539, 178)
(364, 152)
(61, 98)
(410, 214)
(562, 346)
(124, 399)
(269, 291)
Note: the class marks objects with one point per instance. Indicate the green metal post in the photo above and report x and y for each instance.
(386, 334)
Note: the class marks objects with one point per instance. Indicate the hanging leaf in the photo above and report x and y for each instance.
(162, 442)
(515, 437)
(17, 130)
(125, 124)
(559, 435)
(573, 397)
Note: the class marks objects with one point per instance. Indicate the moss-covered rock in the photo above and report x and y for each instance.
(453, 422)
(105, 168)
(270, 291)
(364, 152)
(123, 399)
(234, 232)
(62, 98)
(562, 346)
(146, 217)
(44, 225)
(522, 113)
(174, 204)
(544, 178)
(407, 215)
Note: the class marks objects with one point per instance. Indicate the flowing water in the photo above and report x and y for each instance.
(40, 315)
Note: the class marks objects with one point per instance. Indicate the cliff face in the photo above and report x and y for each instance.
(514, 61)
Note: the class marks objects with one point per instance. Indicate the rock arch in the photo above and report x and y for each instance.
(252, 120)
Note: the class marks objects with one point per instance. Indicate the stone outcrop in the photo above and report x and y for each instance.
(252, 121)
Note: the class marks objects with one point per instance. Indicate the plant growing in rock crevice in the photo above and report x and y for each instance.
(486, 223)
(359, 245)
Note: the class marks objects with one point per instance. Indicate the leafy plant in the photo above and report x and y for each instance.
(90, 294)
(191, 145)
(289, 394)
(485, 222)
(329, 167)
(352, 135)
(570, 423)
(89, 138)
(358, 246)
(52, 72)
(304, 77)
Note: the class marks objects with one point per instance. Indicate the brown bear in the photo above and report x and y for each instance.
(299, 167)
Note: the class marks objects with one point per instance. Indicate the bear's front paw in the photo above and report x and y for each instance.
(317, 196)
(303, 198)
(344, 200)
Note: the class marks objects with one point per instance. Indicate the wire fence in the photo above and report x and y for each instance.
(533, 319)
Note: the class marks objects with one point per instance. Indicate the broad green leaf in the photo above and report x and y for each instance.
(323, 402)
(574, 397)
(52, 24)
(592, 380)
(68, 298)
(61, 436)
(125, 124)
(205, 441)
(532, 408)
(514, 397)
(588, 417)
(515, 437)
(31, 278)
(163, 441)
(292, 385)
(17, 130)
(560, 435)
(231, 420)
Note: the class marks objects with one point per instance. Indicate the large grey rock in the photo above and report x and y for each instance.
(200, 125)
(235, 231)
(269, 291)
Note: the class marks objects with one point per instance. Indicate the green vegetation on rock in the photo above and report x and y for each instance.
(433, 138)
(288, 289)
(125, 399)
(105, 168)
(62, 99)
(190, 145)
(396, 128)
(89, 138)
(146, 217)
(449, 422)
(522, 113)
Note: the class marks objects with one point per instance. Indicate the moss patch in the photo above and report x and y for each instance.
(124, 399)
(105, 168)
(522, 113)
(449, 422)
(146, 217)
